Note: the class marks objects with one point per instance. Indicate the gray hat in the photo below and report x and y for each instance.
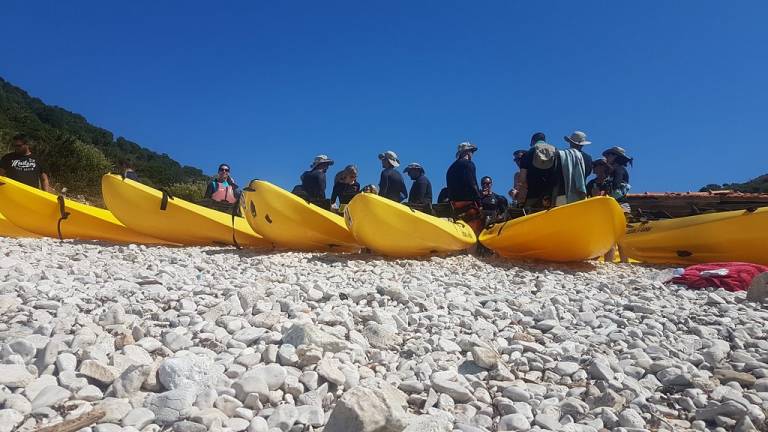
(465, 147)
(321, 159)
(413, 165)
(391, 157)
(577, 138)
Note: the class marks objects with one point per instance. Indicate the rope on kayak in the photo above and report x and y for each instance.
(64, 215)
(164, 201)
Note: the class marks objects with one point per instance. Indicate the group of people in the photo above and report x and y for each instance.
(547, 177)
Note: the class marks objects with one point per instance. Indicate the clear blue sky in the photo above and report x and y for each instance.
(265, 86)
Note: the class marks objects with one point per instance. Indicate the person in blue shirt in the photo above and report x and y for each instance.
(420, 196)
(391, 183)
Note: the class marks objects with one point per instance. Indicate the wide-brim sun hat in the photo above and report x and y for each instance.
(577, 138)
(320, 160)
(391, 157)
(465, 147)
(617, 151)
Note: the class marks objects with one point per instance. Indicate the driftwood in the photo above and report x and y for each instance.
(76, 423)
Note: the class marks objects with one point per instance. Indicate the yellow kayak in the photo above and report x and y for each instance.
(292, 223)
(7, 229)
(574, 232)
(139, 206)
(40, 212)
(393, 229)
(728, 236)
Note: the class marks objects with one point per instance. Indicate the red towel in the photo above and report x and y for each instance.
(738, 278)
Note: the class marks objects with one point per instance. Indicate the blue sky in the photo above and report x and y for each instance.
(267, 85)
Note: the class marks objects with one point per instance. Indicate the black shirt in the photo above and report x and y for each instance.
(313, 183)
(421, 191)
(344, 192)
(461, 179)
(24, 169)
(494, 203)
(442, 197)
(392, 186)
(620, 176)
(541, 182)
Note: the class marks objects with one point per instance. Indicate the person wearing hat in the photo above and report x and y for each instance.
(494, 205)
(345, 186)
(463, 192)
(391, 183)
(618, 160)
(222, 189)
(600, 185)
(539, 174)
(420, 196)
(577, 140)
(313, 182)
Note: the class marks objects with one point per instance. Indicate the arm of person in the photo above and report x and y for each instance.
(403, 193)
(45, 183)
(209, 190)
(472, 178)
(522, 185)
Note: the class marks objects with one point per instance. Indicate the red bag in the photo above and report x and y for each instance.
(736, 276)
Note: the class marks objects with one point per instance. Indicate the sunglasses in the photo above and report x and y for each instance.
(486, 183)
(223, 169)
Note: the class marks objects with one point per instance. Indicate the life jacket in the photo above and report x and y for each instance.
(223, 192)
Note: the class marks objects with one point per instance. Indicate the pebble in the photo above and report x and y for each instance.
(171, 339)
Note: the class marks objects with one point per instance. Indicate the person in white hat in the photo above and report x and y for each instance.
(391, 183)
(420, 196)
(313, 181)
(463, 192)
(577, 140)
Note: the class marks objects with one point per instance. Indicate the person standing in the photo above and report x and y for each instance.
(391, 183)
(539, 174)
(577, 140)
(345, 186)
(313, 182)
(619, 182)
(420, 196)
(463, 192)
(222, 189)
(619, 187)
(23, 166)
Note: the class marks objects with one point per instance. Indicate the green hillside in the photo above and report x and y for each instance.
(758, 185)
(79, 153)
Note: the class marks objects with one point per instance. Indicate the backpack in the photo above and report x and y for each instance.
(544, 155)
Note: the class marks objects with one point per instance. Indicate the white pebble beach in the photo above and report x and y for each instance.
(219, 339)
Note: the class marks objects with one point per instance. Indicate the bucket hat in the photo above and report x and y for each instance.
(321, 159)
(391, 157)
(465, 147)
(577, 138)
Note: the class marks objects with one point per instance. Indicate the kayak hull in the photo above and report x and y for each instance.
(393, 229)
(574, 232)
(8, 229)
(290, 222)
(139, 207)
(37, 211)
(740, 235)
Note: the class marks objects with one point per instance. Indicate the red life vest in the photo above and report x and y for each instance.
(223, 192)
